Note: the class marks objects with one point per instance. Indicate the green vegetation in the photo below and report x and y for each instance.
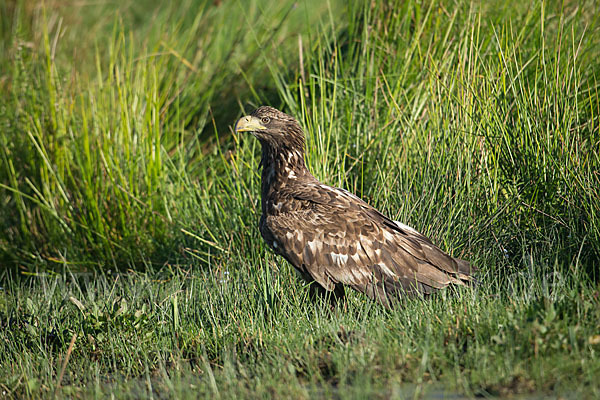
(131, 261)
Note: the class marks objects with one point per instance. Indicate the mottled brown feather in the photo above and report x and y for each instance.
(334, 238)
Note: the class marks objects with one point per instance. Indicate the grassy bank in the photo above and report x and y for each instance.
(248, 329)
(129, 211)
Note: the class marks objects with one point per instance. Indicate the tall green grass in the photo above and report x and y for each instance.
(481, 131)
(103, 129)
(478, 125)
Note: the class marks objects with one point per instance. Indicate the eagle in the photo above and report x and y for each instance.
(332, 237)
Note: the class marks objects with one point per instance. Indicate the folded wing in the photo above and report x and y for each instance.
(335, 237)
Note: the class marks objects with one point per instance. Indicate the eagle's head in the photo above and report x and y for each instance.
(275, 129)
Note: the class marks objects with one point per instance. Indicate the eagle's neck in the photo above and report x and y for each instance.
(281, 167)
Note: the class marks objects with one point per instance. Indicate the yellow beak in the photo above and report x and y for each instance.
(248, 124)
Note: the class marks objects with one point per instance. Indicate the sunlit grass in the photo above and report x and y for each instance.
(129, 210)
(98, 150)
(250, 330)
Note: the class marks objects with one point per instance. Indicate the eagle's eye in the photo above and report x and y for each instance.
(265, 120)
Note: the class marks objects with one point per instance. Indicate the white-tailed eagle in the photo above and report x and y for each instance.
(332, 237)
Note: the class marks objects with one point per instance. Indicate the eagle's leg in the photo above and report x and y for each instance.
(379, 294)
(331, 296)
(318, 291)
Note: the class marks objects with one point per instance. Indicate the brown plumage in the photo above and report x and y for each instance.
(331, 236)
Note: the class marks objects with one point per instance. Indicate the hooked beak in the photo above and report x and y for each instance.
(249, 124)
